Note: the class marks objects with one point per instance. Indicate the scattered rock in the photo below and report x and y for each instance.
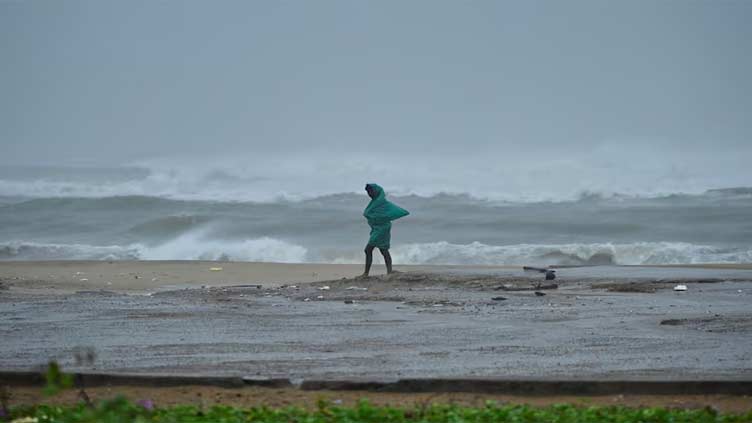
(498, 298)
(714, 323)
(100, 292)
(411, 278)
(692, 280)
(516, 287)
(348, 301)
(672, 322)
(627, 287)
(539, 294)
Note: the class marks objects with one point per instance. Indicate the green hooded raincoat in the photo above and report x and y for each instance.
(380, 214)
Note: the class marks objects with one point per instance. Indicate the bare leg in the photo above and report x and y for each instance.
(387, 259)
(369, 259)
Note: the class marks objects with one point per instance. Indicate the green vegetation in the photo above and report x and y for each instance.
(56, 380)
(120, 410)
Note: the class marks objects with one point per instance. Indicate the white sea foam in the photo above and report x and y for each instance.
(193, 246)
(638, 253)
(19, 250)
(183, 248)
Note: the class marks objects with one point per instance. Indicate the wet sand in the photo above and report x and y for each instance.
(152, 276)
(149, 276)
(305, 321)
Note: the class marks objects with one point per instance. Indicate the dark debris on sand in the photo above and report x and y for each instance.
(627, 287)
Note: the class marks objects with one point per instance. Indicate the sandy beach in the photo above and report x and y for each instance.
(151, 276)
(316, 321)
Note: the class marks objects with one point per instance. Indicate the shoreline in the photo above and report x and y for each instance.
(144, 276)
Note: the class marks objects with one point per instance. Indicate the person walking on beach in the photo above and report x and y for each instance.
(380, 214)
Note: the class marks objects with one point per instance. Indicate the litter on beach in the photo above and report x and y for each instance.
(324, 288)
(215, 269)
(680, 288)
(355, 288)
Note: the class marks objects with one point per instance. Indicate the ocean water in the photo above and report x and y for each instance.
(494, 213)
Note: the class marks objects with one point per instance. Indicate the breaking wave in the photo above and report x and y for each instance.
(193, 246)
(46, 251)
(641, 253)
(609, 171)
(182, 248)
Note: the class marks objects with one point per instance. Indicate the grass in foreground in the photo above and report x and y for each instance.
(121, 410)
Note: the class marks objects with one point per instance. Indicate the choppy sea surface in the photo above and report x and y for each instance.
(137, 213)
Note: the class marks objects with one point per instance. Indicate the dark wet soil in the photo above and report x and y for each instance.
(204, 396)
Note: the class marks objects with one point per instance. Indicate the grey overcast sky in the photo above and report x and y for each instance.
(111, 81)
